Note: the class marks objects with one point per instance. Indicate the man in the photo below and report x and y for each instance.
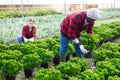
(72, 26)
(28, 33)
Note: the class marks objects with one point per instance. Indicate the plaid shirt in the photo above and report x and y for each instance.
(73, 25)
(27, 33)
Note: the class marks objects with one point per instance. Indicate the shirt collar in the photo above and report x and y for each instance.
(86, 23)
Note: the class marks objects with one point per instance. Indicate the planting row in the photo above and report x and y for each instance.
(41, 52)
(105, 13)
(102, 34)
(11, 28)
(75, 68)
(17, 13)
(47, 26)
(110, 13)
(107, 50)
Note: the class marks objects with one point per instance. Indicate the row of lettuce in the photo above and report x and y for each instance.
(47, 25)
(109, 13)
(16, 57)
(17, 13)
(75, 69)
(104, 13)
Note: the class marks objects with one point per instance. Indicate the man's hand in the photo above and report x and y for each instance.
(83, 49)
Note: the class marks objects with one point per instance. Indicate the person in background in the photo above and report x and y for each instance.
(28, 32)
(71, 28)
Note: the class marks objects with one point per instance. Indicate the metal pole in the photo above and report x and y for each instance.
(22, 11)
(64, 6)
(28, 5)
(82, 5)
(114, 3)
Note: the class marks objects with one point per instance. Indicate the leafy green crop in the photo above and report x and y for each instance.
(48, 74)
(31, 61)
(11, 67)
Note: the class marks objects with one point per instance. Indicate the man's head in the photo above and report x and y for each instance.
(92, 15)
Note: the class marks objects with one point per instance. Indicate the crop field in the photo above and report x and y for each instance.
(39, 60)
(47, 25)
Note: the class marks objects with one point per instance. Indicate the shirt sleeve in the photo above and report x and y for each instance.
(89, 30)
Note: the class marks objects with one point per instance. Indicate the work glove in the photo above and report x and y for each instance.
(83, 49)
(31, 39)
(25, 39)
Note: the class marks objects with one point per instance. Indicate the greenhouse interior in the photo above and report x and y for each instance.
(59, 39)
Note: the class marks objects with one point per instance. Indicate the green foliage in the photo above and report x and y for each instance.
(11, 67)
(89, 75)
(24, 48)
(69, 69)
(80, 62)
(113, 78)
(115, 27)
(70, 49)
(99, 55)
(16, 13)
(90, 41)
(117, 54)
(107, 31)
(73, 78)
(110, 46)
(107, 50)
(115, 62)
(45, 55)
(109, 13)
(41, 44)
(31, 61)
(55, 49)
(107, 68)
(48, 74)
(11, 54)
(51, 42)
(3, 47)
(56, 37)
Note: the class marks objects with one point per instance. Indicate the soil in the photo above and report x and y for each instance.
(118, 39)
